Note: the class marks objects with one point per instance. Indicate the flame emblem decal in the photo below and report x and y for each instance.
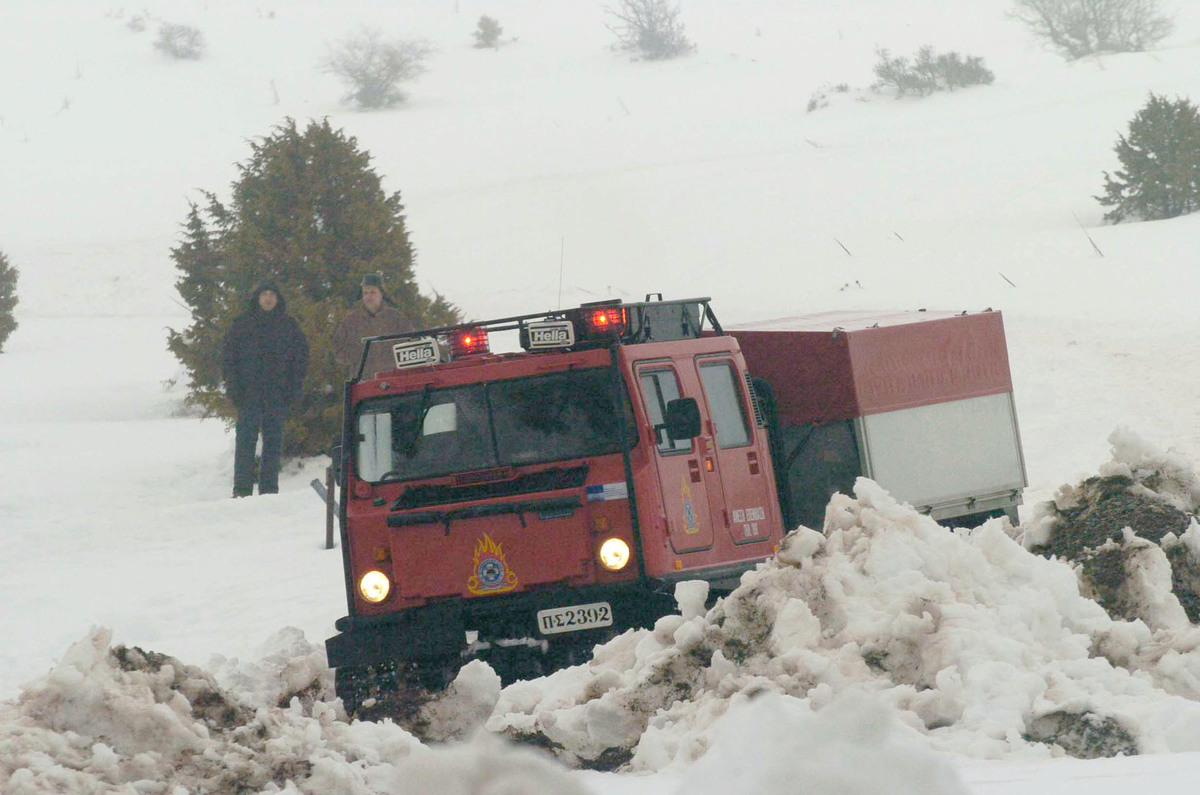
(491, 572)
(690, 526)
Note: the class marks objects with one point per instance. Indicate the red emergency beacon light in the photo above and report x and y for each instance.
(468, 342)
(606, 320)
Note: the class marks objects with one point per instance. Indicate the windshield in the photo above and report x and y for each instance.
(479, 426)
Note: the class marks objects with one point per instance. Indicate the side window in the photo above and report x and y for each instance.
(375, 444)
(725, 403)
(660, 387)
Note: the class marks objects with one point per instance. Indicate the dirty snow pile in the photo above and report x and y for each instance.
(886, 640)
(1132, 533)
(980, 646)
(113, 719)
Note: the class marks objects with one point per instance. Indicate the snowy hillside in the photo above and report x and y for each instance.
(556, 157)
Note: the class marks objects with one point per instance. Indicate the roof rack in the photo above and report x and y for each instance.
(594, 324)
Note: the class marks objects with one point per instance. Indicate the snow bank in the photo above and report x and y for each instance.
(1131, 534)
(971, 641)
(852, 747)
(117, 719)
(886, 640)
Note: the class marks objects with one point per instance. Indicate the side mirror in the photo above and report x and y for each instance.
(683, 418)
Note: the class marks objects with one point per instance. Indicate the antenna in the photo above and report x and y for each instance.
(562, 247)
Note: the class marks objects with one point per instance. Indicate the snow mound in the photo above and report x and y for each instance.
(966, 637)
(886, 639)
(852, 747)
(1131, 532)
(121, 719)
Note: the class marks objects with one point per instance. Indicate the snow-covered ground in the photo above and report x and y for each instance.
(558, 156)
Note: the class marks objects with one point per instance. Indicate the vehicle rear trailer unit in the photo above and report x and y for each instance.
(921, 402)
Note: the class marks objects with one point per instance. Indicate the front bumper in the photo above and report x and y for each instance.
(438, 630)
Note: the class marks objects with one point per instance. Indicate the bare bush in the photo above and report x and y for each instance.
(487, 32)
(180, 41)
(650, 27)
(820, 98)
(1076, 28)
(928, 72)
(372, 67)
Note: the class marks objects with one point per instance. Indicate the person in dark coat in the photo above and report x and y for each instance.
(264, 363)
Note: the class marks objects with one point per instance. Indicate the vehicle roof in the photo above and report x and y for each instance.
(846, 320)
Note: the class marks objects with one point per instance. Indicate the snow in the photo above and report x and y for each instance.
(963, 636)
(160, 637)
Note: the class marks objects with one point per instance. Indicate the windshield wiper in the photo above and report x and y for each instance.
(414, 433)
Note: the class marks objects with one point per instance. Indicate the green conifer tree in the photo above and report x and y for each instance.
(308, 211)
(1160, 164)
(8, 299)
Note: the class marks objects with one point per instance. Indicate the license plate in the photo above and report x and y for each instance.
(575, 618)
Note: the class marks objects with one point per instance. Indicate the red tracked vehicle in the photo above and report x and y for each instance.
(523, 505)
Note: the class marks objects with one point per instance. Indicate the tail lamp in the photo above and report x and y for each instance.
(469, 341)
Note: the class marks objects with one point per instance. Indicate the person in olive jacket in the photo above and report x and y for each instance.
(264, 363)
(374, 316)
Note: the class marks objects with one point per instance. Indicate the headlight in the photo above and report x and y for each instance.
(614, 554)
(374, 586)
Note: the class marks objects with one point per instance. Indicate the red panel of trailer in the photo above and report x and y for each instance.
(841, 365)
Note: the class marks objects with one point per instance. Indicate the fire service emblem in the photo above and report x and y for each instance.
(690, 526)
(491, 572)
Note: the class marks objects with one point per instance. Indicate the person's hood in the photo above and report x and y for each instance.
(267, 284)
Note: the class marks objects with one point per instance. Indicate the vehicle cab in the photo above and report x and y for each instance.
(548, 491)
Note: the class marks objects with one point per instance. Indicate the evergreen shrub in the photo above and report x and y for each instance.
(309, 212)
(8, 299)
(1160, 164)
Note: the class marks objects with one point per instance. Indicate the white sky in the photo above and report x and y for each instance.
(557, 156)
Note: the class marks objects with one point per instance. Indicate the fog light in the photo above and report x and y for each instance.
(614, 554)
(374, 586)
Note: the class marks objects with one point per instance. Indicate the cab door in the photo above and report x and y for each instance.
(685, 495)
(741, 473)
